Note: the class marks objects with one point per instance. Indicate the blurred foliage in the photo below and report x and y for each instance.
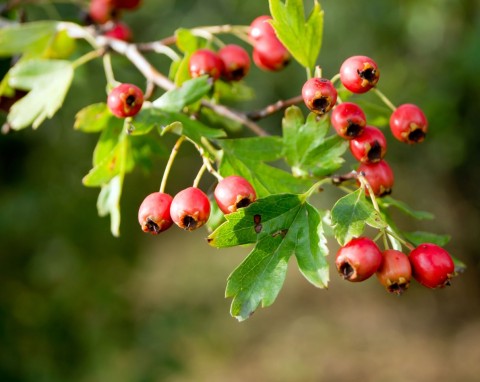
(77, 304)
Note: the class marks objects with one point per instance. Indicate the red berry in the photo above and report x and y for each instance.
(380, 177)
(409, 124)
(270, 54)
(190, 208)
(395, 271)
(432, 265)
(127, 4)
(359, 259)
(154, 213)
(359, 74)
(319, 95)
(236, 62)
(205, 61)
(234, 192)
(260, 28)
(101, 11)
(120, 31)
(348, 120)
(125, 100)
(370, 146)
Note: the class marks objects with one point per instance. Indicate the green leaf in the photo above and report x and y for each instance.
(108, 202)
(350, 214)
(280, 225)
(460, 266)
(31, 37)
(94, 118)
(191, 91)
(235, 91)
(388, 201)
(187, 42)
(420, 237)
(247, 156)
(303, 38)
(47, 81)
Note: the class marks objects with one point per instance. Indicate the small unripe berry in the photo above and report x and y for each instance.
(205, 61)
(409, 124)
(348, 120)
(270, 54)
(120, 31)
(395, 271)
(359, 74)
(236, 62)
(370, 146)
(154, 213)
(319, 95)
(190, 209)
(380, 177)
(234, 192)
(359, 259)
(125, 100)
(260, 28)
(432, 266)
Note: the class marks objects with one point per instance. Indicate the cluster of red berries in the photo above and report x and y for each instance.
(368, 144)
(429, 264)
(190, 208)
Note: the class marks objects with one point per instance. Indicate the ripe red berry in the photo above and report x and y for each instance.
(127, 4)
(120, 31)
(101, 11)
(409, 124)
(154, 213)
(260, 28)
(359, 74)
(234, 192)
(348, 120)
(370, 146)
(236, 62)
(125, 100)
(319, 95)
(395, 271)
(359, 259)
(205, 61)
(432, 266)
(270, 54)
(190, 208)
(380, 177)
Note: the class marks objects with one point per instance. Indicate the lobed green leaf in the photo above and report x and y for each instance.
(388, 201)
(30, 38)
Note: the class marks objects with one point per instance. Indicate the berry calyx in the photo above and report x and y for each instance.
(154, 213)
(190, 208)
(395, 271)
(319, 95)
(370, 146)
(236, 62)
(380, 177)
(270, 54)
(432, 266)
(260, 28)
(120, 31)
(359, 74)
(234, 192)
(205, 61)
(409, 124)
(125, 100)
(348, 120)
(359, 259)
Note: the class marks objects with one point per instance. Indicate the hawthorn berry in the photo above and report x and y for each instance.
(348, 120)
(395, 271)
(409, 124)
(270, 54)
(379, 175)
(120, 31)
(370, 146)
(127, 4)
(125, 100)
(319, 95)
(154, 213)
(205, 61)
(236, 62)
(359, 74)
(432, 266)
(359, 259)
(190, 208)
(101, 11)
(234, 192)
(261, 28)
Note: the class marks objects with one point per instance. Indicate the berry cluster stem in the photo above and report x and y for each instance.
(384, 98)
(169, 164)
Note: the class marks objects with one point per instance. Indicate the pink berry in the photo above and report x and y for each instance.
(359, 74)
(370, 146)
(234, 192)
(125, 100)
(395, 271)
(270, 54)
(432, 265)
(236, 62)
(348, 120)
(101, 11)
(190, 208)
(409, 124)
(154, 213)
(120, 31)
(205, 61)
(380, 177)
(319, 95)
(260, 28)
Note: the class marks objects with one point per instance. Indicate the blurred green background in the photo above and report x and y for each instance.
(78, 305)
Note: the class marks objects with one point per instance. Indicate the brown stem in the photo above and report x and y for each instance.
(339, 179)
(273, 108)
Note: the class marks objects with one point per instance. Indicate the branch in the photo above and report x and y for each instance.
(273, 108)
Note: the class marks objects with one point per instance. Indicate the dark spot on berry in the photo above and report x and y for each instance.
(243, 203)
(369, 74)
(385, 192)
(353, 129)
(397, 288)
(189, 223)
(346, 270)
(152, 226)
(237, 74)
(321, 104)
(130, 100)
(417, 135)
(375, 152)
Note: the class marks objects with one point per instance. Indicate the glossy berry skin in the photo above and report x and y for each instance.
(409, 124)
(120, 31)
(270, 54)
(101, 11)
(370, 146)
(234, 192)
(380, 177)
(348, 120)
(261, 28)
(432, 266)
(359, 74)
(190, 209)
(205, 61)
(395, 271)
(154, 213)
(125, 100)
(359, 259)
(319, 95)
(236, 62)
